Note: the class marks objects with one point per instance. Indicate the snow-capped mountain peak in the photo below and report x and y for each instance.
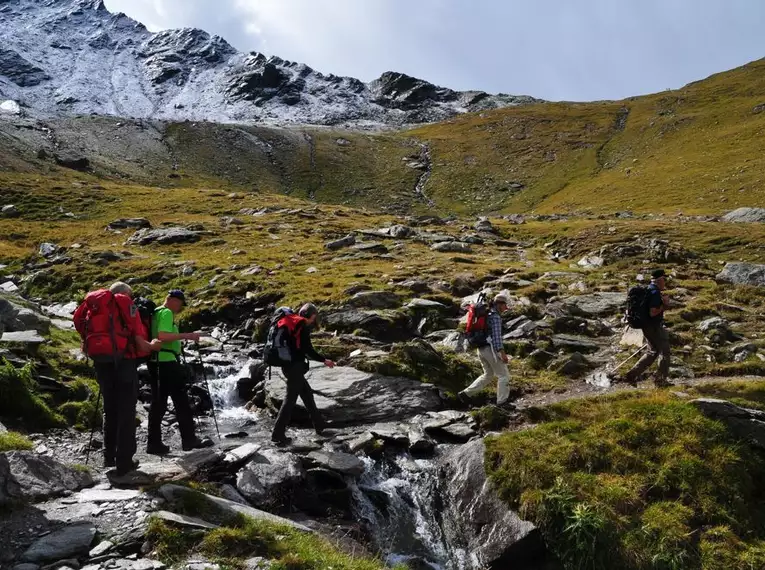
(67, 57)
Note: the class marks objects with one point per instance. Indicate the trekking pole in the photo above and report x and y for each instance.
(93, 425)
(630, 357)
(207, 385)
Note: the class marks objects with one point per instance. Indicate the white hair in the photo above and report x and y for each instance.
(121, 288)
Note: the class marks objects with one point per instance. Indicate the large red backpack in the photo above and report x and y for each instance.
(108, 325)
(477, 326)
(283, 337)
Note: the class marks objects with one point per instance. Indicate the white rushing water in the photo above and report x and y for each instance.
(222, 381)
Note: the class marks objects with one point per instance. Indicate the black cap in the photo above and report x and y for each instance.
(177, 294)
(658, 274)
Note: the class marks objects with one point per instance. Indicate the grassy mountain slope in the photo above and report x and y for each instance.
(698, 149)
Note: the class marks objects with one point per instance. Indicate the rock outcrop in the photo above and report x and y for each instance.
(477, 521)
(25, 475)
(740, 273)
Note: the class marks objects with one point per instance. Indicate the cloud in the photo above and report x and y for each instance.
(554, 49)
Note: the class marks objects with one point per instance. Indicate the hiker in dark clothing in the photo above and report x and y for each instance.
(301, 349)
(655, 333)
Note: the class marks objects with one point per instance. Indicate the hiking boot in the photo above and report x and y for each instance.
(464, 398)
(281, 441)
(198, 444)
(157, 449)
(110, 462)
(507, 405)
(123, 470)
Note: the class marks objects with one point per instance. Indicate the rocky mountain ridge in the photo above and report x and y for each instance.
(74, 57)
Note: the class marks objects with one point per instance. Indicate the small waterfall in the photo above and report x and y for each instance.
(398, 499)
(222, 381)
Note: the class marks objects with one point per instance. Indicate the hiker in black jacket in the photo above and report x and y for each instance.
(655, 333)
(301, 349)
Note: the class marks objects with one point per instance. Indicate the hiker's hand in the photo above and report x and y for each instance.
(665, 300)
(503, 356)
(155, 345)
(195, 336)
(329, 363)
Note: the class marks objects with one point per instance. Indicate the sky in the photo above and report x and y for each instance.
(574, 50)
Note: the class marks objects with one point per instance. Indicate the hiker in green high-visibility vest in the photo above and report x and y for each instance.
(169, 378)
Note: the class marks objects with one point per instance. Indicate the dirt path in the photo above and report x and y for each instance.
(583, 390)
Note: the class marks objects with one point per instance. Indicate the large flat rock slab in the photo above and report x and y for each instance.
(24, 475)
(350, 397)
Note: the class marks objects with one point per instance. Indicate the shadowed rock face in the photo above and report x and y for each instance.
(75, 57)
(477, 520)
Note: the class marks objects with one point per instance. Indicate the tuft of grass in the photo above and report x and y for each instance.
(630, 481)
(13, 441)
(19, 402)
(286, 547)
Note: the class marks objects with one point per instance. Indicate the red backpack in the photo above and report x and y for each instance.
(283, 336)
(108, 325)
(477, 327)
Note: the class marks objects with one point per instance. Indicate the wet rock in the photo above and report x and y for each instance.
(200, 460)
(745, 215)
(73, 540)
(477, 520)
(240, 454)
(451, 432)
(452, 247)
(343, 463)
(365, 442)
(269, 478)
(351, 397)
(25, 475)
(164, 236)
(420, 444)
(129, 223)
(222, 507)
(347, 241)
(375, 300)
(738, 273)
(325, 493)
(745, 423)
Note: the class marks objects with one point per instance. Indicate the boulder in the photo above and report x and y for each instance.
(343, 463)
(452, 247)
(476, 521)
(745, 215)
(574, 365)
(375, 300)
(347, 241)
(183, 520)
(9, 211)
(48, 249)
(739, 273)
(126, 223)
(745, 423)
(73, 161)
(484, 225)
(351, 397)
(382, 325)
(595, 304)
(223, 508)
(574, 343)
(70, 541)
(164, 236)
(28, 476)
(270, 478)
(400, 232)
(30, 338)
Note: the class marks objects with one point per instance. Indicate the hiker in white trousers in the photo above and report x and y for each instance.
(493, 357)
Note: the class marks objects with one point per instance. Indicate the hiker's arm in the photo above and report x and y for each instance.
(170, 336)
(308, 348)
(663, 304)
(495, 325)
(146, 346)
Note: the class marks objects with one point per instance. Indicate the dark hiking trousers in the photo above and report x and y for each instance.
(168, 379)
(658, 347)
(119, 387)
(297, 385)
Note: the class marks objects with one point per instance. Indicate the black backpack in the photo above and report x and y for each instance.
(638, 313)
(477, 327)
(146, 308)
(278, 348)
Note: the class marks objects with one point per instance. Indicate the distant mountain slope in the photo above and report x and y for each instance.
(67, 57)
